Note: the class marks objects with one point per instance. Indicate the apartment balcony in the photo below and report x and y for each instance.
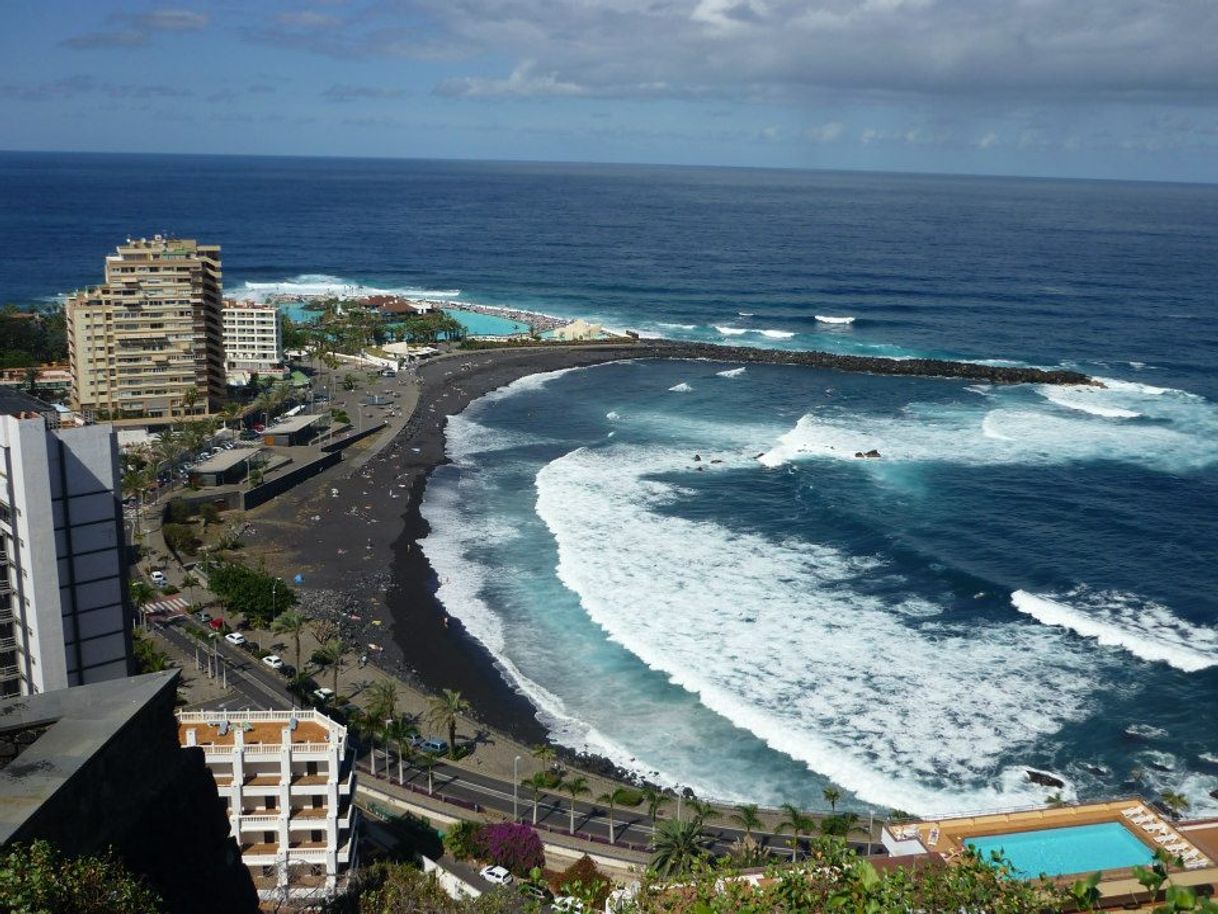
(265, 822)
(9, 673)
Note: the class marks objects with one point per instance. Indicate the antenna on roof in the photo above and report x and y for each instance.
(224, 728)
(292, 722)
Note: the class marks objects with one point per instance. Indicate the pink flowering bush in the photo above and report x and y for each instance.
(513, 845)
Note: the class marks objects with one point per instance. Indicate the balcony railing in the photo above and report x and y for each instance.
(260, 822)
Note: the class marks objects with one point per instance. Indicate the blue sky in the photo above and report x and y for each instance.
(1082, 88)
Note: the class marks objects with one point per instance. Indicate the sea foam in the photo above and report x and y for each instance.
(829, 319)
(1149, 631)
(681, 388)
(803, 656)
(321, 284)
(731, 373)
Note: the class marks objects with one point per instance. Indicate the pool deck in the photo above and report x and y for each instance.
(1197, 842)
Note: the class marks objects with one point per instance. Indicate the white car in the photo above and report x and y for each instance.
(158, 578)
(235, 638)
(323, 694)
(496, 874)
(568, 904)
(272, 660)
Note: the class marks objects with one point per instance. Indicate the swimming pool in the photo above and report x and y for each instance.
(479, 324)
(1076, 849)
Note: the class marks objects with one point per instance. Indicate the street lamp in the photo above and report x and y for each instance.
(515, 787)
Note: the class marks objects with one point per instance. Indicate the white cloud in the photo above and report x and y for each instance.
(825, 133)
(987, 141)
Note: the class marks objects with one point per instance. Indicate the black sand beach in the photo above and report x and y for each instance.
(354, 535)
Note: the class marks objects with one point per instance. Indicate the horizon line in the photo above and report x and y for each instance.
(631, 164)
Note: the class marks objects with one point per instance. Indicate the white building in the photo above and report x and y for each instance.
(288, 783)
(63, 578)
(253, 338)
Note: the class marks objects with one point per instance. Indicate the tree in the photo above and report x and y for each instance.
(147, 658)
(331, 655)
(1176, 802)
(37, 879)
(384, 699)
(575, 788)
(537, 784)
(427, 761)
(142, 593)
(798, 824)
(614, 798)
(831, 795)
(704, 810)
(290, 623)
(545, 754)
(746, 817)
(445, 709)
(260, 596)
(1085, 893)
(656, 800)
(398, 733)
(677, 846)
(189, 583)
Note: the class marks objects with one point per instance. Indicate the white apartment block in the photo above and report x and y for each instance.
(289, 785)
(253, 337)
(63, 578)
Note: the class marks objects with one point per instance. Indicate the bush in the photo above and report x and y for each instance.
(630, 797)
(178, 512)
(583, 880)
(38, 878)
(462, 840)
(147, 658)
(513, 845)
(181, 538)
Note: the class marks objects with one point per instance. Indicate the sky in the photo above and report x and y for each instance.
(1070, 88)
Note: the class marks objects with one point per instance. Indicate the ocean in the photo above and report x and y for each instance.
(683, 564)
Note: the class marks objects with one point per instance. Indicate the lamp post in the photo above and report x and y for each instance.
(388, 724)
(515, 788)
(870, 829)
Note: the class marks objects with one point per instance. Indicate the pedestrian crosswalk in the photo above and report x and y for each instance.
(172, 606)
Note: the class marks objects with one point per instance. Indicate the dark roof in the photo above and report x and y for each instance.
(13, 402)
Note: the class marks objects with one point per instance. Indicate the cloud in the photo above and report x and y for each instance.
(794, 49)
(133, 30)
(76, 86)
(307, 19)
(345, 93)
(987, 141)
(825, 133)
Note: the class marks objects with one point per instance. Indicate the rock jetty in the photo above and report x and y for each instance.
(930, 368)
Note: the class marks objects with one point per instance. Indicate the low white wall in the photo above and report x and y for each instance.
(455, 887)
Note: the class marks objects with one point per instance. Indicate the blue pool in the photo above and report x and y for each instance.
(477, 324)
(1057, 851)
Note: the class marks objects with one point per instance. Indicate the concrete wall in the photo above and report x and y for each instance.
(268, 490)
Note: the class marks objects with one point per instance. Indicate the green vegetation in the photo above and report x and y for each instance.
(444, 711)
(148, 659)
(38, 879)
(31, 338)
(678, 846)
(181, 539)
(260, 597)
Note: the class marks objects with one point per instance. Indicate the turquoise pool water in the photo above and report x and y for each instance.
(486, 324)
(297, 312)
(1057, 851)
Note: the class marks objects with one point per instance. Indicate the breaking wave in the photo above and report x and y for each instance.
(682, 388)
(675, 591)
(829, 319)
(769, 334)
(731, 373)
(1147, 630)
(321, 284)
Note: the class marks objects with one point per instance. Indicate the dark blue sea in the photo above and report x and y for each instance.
(683, 564)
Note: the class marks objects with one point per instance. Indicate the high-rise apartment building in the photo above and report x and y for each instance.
(288, 782)
(147, 344)
(253, 337)
(63, 578)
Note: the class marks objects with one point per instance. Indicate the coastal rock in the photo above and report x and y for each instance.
(1044, 779)
(697, 458)
(873, 454)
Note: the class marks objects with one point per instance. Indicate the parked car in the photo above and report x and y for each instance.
(568, 904)
(496, 874)
(273, 661)
(538, 892)
(249, 435)
(235, 638)
(204, 617)
(323, 694)
(434, 746)
(158, 578)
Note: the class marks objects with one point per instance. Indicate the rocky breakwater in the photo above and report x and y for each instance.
(930, 368)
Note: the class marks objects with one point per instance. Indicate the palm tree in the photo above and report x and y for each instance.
(142, 594)
(831, 795)
(613, 798)
(331, 655)
(290, 623)
(445, 709)
(703, 809)
(399, 732)
(678, 846)
(545, 754)
(1176, 802)
(575, 788)
(537, 783)
(746, 817)
(428, 761)
(189, 583)
(384, 694)
(798, 823)
(656, 800)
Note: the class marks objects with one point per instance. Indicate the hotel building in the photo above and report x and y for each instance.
(63, 581)
(147, 344)
(253, 338)
(288, 782)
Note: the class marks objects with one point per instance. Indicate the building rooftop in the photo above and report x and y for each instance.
(226, 460)
(262, 728)
(288, 426)
(231, 304)
(79, 723)
(17, 403)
